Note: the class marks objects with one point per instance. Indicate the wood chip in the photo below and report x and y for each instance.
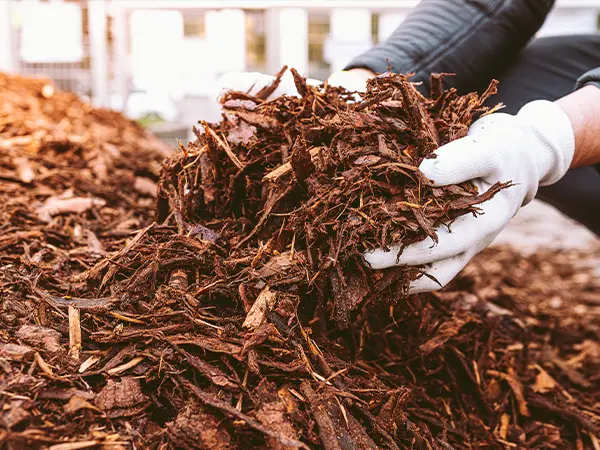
(88, 363)
(123, 367)
(74, 332)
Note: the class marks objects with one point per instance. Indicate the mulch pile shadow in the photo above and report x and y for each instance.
(218, 299)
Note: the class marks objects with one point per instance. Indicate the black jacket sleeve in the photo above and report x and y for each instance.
(591, 77)
(475, 39)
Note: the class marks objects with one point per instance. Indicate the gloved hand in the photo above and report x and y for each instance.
(252, 82)
(533, 148)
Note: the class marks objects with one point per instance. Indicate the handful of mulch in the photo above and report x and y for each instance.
(301, 186)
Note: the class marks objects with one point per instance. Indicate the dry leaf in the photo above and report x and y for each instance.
(257, 314)
(76, 403)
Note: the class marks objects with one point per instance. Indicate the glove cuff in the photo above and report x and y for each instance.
(553, 128)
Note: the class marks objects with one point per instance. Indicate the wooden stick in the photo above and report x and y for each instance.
(74, 332)
(232, 156)
(285, 168)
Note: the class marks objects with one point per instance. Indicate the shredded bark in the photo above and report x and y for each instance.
(242, 314)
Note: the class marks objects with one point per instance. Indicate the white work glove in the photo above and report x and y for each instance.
(252, 82)
(533, 148)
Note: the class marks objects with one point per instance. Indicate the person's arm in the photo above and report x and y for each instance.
(532, 148)
(476, 39)
(583, 108)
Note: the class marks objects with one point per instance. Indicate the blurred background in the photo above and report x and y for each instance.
(158, 61)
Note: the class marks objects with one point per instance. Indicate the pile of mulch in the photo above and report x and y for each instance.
(60, 159)
(244, 317)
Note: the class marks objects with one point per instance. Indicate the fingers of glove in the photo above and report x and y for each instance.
(462, 234)
(491, 121)
(467, 234)
(348, 80)
(476, 155)
(461, 160)
(450, 243)
(380, 259)
(443, 271)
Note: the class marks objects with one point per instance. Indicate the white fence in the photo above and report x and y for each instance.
(159, 52)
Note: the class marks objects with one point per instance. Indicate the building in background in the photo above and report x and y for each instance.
(162, 58)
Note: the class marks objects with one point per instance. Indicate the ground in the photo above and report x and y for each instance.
(541, 226)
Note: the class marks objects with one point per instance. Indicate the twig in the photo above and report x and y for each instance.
(232, 156)
(74, 332)
(122, 368)
(287, 167)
